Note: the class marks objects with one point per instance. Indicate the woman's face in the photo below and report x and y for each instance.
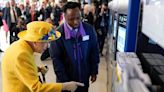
(40, 46)
(21, 7)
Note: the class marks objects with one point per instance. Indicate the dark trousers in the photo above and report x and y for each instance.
(80, 89)
(12, 32)
(101, 38)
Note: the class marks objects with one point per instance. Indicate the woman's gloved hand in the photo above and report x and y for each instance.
(43, 69)
(71, 86)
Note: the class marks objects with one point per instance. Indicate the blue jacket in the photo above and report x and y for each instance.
(65, 66)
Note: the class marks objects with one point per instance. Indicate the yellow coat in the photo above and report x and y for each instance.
(19, 71)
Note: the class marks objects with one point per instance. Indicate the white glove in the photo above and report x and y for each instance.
(71, 86)
(52, 16)
(40, 17)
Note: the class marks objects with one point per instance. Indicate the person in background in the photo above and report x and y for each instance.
(1, 23)
(45, 10)
(11, 15)
(27, 11)
(75, 55)
(58, 13)
(93, 10)
(19, 71)
(87, 14)
(5, 25)
(102, 21)
(23, 11)
(34, 14)
(1, 14)
(18, 28)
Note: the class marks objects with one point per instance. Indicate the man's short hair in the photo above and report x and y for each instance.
(62, 1)
(71, 5)
(105, 3)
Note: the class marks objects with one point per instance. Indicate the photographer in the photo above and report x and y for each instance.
(19, 27)
(102, 22)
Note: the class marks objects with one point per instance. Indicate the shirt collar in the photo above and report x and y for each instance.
(71, 29)
(68, 26)
(67, 29)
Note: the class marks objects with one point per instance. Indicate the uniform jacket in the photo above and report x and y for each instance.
(99, 20)
(65, 65)
(19, 71)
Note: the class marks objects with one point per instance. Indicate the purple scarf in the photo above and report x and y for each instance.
(76, 46)
(67, 31)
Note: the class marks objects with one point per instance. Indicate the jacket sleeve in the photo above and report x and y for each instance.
(26, 71)
(19, 13)
(57, 55)
(94, 59)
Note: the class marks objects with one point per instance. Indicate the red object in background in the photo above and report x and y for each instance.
(27, 1)
(5, 26)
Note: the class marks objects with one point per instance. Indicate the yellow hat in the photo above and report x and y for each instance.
(39, 31)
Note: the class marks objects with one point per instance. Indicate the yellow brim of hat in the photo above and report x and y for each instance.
(23, 35)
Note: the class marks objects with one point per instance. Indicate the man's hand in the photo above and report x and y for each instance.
(93, 78)
(71, 86)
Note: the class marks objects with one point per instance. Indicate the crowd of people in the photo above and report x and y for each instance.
(76, 36)
(17, 15)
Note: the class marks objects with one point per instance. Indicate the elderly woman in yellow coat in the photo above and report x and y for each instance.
(19, 71)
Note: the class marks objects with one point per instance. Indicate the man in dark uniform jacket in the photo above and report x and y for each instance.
(75, 55)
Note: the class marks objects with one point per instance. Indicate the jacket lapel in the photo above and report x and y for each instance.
(69, 48)
(67, 44)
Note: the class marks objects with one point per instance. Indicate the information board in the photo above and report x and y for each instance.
(121, 32)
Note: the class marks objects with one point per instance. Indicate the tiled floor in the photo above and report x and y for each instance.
(98, 86)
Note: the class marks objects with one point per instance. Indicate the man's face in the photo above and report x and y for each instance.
(27, 3)
(40, 46)
(21, 7)
(12, 2)
(49, 20)
(104, 7)
(72, 16)
(61, 4)
(44, 4)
